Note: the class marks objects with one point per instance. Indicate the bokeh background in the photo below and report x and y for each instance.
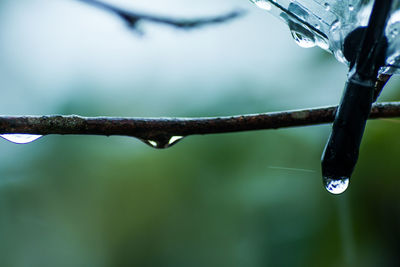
(245, 199)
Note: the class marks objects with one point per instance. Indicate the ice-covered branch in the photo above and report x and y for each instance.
(163, 132)
(132, 18)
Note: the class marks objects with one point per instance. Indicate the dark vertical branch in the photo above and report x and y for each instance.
(341, 152)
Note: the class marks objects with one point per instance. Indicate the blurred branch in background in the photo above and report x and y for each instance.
(164, 132)
(133, 18)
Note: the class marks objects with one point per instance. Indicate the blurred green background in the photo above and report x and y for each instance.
(245, 199)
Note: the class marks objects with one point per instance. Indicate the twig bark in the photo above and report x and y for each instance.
(132, 18)
(161, 130)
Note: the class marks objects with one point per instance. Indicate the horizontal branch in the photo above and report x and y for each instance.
(132, 18)
(163, 132)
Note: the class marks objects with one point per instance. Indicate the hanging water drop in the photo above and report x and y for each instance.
(327, 6)
(152, 143)
(161, 142)
(336, 186)
(155, 143)
(351, 7)
(174, 139)
(302, 36)
(20, 138)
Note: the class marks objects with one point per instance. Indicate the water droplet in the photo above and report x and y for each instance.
(302, 36)
(173, 140)
(21, 138)
(336, 186)
(153, 143)
(162, 141)
(262, 4)
(327, 6)
(351, 7)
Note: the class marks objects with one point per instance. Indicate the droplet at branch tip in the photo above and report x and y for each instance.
(162, 142)
(20, 138)
(336, 186)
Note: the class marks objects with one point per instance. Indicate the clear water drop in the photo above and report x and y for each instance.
(336, 186)
(20, 138)
(152, 143)
(327, 6)
(351, 7)
(174, 139)
(155, 144)
(301, 33)
(161, 142)
(302, 36)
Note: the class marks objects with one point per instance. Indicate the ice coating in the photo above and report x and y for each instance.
(326, 23)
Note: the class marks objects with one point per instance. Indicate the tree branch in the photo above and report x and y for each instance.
(163, 132)
(132, 18)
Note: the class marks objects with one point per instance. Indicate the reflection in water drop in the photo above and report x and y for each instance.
(152, 143)
(174, 139)
(21, 138)
(162, 141)
(336, 186)
(303, 37)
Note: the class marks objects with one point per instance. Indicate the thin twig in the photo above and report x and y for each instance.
(161, 130)
(132, 18)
